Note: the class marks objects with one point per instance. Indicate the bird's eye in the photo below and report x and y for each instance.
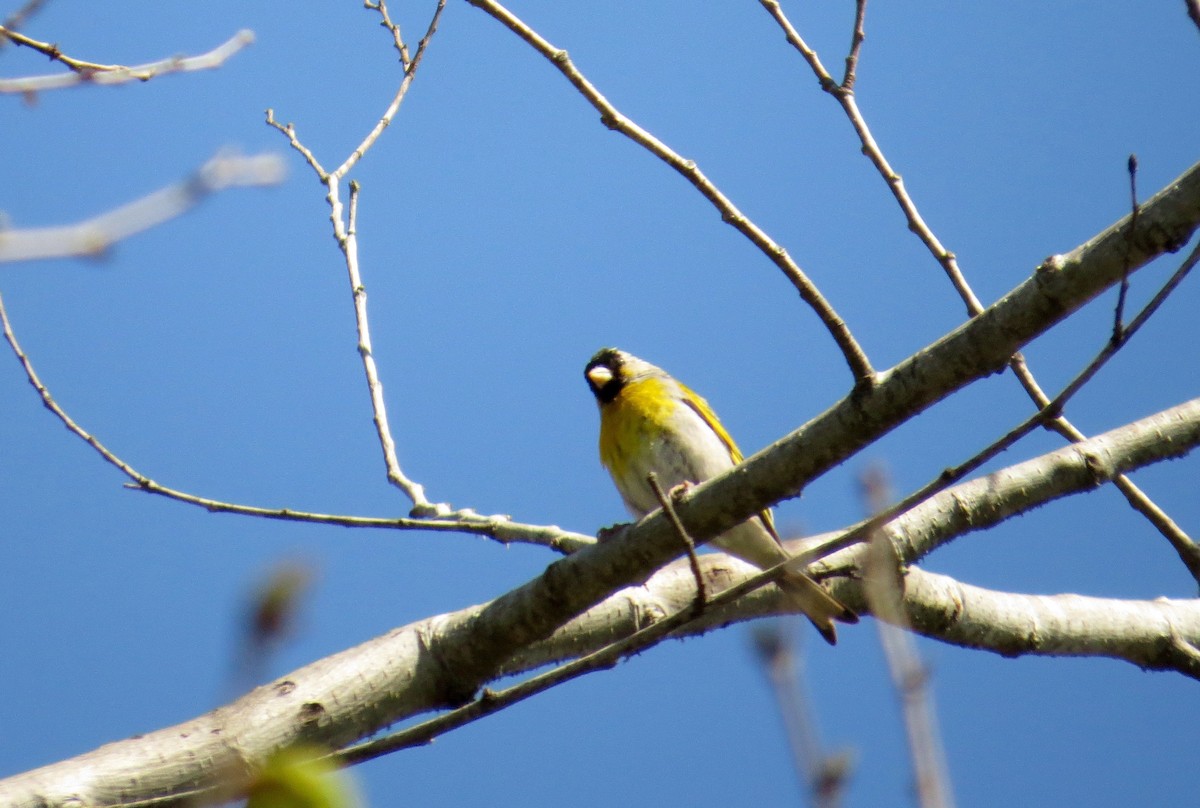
(599, 376)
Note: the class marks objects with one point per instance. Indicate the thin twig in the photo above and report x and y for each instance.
(346, 234)
(1185, 547)
(50, 404)
(94, 237)
(610, 116)
(289, 131)
(348, 240)
(669, 509)
(1183, 544)
(882, 585)
(410, 70)
(1045, 416)
(1110, 348)
(824, 775)
(1118, 332)
(18, 18)
(846, 98)
(492, 701)
(85, 72)
(499, 528)
(856, 41)
(394, 28)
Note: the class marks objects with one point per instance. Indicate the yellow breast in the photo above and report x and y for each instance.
(633, 421)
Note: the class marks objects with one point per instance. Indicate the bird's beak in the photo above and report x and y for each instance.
(599, 376)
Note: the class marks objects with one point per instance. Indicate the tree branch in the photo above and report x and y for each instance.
(977, 348)
(989, 500)
(1185, 547)
(17, 19)
(883, 589)
(94, 237)
(84, 72)
(611, 117)
(1160, 635)
(443, 661)
(346, 235)
(500, 528)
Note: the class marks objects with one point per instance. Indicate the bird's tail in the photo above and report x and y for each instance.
(820, 607)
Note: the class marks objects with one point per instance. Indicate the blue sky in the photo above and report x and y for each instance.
(505, 235)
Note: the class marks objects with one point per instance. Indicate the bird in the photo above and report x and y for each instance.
(649, 422)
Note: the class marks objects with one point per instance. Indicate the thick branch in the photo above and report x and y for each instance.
(1078, 467)
(443, 661)
(977, 348)
(194, 756)
(843, 93)
(1161, 634)
(989, 500)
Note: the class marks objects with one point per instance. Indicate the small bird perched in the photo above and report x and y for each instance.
(649, 422)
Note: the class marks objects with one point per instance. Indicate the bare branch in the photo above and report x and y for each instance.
(393, 28)
(410, 70)
(949, 476)
(1185, 547)
(989, 500)
(856, 41)
(844, 95)
(500, 528)
(348, 240)
(289, 131)
(883, 590)
(336, 700)
(345, 232)
(824, 775)
(84, 72)
(18, 18)
(443, 661)
(664, 502)
(611, 117)
(1152, 634)
(94, 237)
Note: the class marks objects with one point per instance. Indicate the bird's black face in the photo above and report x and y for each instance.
(605, 375)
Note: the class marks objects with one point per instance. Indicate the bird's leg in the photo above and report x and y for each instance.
(680, 491)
